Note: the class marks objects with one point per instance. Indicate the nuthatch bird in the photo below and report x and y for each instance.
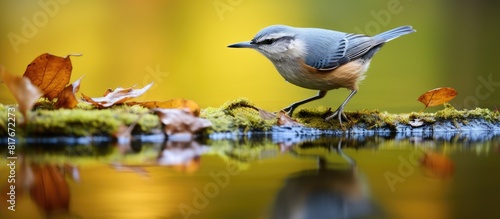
(320, 59)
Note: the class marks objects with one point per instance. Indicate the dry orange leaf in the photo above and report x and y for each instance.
(25, 93)
(119, 95)
(50, 73)
(177, 103)
(178, 121)
(282, 118)
(67, 98)
(437, 96)
(285, 120)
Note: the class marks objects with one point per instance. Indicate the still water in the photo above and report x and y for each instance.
(445, 175)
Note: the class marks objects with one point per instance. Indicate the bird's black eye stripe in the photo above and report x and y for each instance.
(266, 42)
(270, 41)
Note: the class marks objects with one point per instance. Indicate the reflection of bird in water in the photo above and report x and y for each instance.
(325, 192)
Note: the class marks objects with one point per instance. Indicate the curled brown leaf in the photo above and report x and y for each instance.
(67, 98)
(285, 120)
(177, 121)
(25, 93)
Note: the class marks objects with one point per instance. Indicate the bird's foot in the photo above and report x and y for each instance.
(339, 113)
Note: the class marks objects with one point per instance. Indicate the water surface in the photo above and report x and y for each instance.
(446, 175)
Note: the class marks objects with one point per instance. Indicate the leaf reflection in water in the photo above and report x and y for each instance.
(180, 155)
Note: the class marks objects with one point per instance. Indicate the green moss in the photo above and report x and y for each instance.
(315, 117)
(458, 117)
(239, 115)
(6, 118)
(236, 115)
(80, 122)
(370, 119)
(3, 123)
(451, 113)
(428, 118)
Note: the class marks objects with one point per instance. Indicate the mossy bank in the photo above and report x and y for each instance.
(241, 116)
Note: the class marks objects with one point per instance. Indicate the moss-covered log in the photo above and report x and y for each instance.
(241, 116)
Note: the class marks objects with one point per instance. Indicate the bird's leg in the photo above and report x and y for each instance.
(289, 110)
(351, 161)
(340, 111)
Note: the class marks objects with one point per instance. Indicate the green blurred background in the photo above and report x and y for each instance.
(181, 46)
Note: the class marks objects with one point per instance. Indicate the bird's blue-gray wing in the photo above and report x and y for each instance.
(350, 47)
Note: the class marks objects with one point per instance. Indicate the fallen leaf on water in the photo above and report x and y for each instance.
(177, 103)
(181, 122)
(437, 165)
(285, 120)
(67, 98)
(119, 95)
(50, 73)
(437, 96)
(25, 93)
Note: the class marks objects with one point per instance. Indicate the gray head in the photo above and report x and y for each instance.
(275, 42)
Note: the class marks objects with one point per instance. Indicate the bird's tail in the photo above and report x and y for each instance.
(394, 33)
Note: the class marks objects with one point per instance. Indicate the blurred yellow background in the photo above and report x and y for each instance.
(181, 46)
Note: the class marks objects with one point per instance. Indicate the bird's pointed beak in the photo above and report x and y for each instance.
(243, 45)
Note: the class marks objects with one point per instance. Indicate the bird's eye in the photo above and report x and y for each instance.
(267, 41)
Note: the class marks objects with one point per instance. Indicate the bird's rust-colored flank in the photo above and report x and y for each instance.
(345, 76)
